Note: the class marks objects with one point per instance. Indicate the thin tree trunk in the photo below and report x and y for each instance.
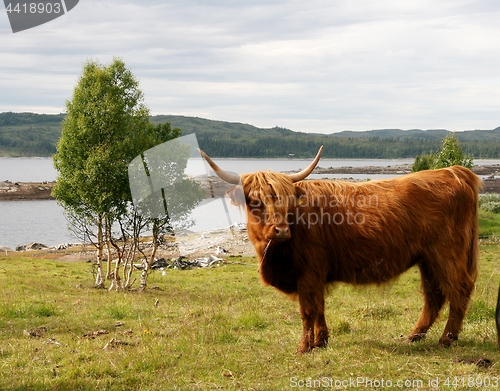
(115, 281)
(129, 265)
(99, 280)
(146, 263)
(108, 247)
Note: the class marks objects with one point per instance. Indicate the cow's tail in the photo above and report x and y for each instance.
(473, 261)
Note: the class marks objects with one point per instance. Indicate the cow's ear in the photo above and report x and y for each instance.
(237, 196)
(300, 195)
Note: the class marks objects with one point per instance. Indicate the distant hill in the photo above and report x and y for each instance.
(432, 134)
(233, 129)
(228, 139)
(29, 134)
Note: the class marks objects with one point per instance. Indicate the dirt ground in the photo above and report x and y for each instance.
(221, 243)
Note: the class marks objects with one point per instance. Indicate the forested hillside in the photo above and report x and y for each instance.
(28, 134)
(224, 139)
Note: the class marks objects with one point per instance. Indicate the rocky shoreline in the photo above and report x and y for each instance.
(15, 191)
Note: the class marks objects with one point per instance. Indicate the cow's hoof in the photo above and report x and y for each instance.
(416, 337)
(304, 349)
(446, 340)
(323, 343)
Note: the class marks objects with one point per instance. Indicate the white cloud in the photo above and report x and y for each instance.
(311, 66)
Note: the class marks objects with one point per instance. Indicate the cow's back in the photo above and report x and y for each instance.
(373, 231)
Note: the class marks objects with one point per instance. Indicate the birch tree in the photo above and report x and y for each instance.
(106, 126)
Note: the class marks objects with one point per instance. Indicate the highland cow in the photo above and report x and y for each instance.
(308, 234)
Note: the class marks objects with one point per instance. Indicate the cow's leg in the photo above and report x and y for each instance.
(314, 329)
(308, 316)
(433, 302)
(459, 300)
(320, 327)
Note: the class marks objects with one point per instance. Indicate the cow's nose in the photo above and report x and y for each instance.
(282, 231)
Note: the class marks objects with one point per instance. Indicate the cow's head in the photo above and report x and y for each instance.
(269, 197)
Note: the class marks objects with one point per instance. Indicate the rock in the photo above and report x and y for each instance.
(95, 334)
(31, 246)
(37, 332)
(114, 343)
(207, 261)
(35, 246)
(159, 263)
(219, 250)
(64, 246)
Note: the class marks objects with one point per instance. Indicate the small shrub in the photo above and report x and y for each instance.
(493, 207)
(451, 154)
(423, 162)
(490, 202)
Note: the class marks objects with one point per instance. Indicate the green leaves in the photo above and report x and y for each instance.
(424, 162)
(451, 154)
(106, 126)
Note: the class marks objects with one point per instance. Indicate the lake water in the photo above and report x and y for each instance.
(42, 169)
(27, 169)
(22, 222)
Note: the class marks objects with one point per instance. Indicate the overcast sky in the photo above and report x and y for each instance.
(310, 66)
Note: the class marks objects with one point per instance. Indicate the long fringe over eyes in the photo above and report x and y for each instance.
(271, 191)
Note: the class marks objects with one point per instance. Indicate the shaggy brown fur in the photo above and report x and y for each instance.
(313, 233)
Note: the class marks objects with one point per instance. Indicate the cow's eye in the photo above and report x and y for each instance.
(255, 203)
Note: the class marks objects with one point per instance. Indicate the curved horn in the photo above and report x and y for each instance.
(306, 171)
(224, 175)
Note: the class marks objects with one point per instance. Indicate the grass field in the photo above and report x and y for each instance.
(489, 224)
(220, 329)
